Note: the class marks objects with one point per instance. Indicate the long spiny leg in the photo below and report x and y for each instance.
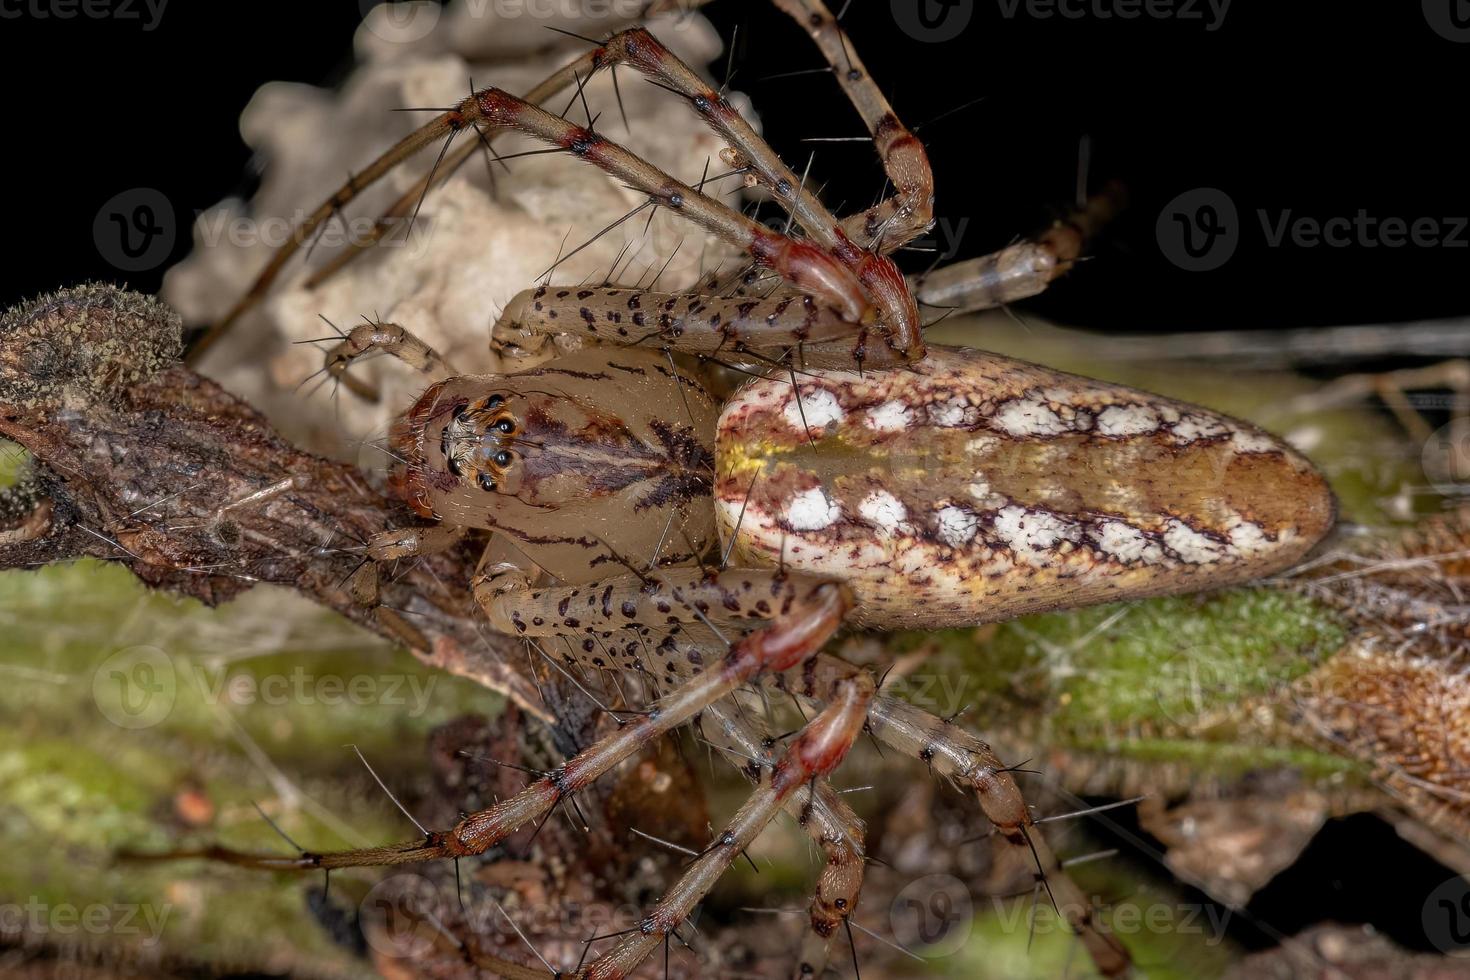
(356, 184)
(879, 276)
(1020, 270)
(816, 751)
(389, 219)
(730, 599)
(574, 73)
(909, 212)
(957, 754)
(711, 326)
(816, 609)
(831, 824)
(494, 111)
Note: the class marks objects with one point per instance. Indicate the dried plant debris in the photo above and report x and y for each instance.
(1406, 587)
(141, 461)
(1338, 952)
(1396, 695)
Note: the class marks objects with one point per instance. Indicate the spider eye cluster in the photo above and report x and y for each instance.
(477, 443)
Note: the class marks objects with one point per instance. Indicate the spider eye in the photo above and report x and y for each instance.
(459, 411)
(453, 465)
(506, 426)
(502, 458)
(495, 402)
(486, 483)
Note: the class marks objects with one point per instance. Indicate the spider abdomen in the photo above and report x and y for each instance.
(974, 488)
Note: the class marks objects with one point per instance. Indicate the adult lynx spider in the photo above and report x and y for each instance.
(649, 522)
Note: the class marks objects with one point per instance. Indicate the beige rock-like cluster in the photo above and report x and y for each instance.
(475, 243)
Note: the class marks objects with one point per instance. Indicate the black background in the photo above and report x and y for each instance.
(1317, 108)
(1311, 108)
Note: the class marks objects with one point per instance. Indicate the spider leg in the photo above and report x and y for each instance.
(391, 339)
(818, 749)
(804, 265)
(1020, 270)
(658, 597)
(732, 599)
(878, 275)
(827, 820)
(910, 211)
(957, 754)
(355, 184)
(816, 609)
(710, 326)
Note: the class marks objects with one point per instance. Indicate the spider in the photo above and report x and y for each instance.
(645, 520)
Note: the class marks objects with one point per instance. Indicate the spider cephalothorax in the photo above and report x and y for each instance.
(582, 455)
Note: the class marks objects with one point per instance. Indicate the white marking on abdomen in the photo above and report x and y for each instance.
(1034, 536)
(884, 510)
(1190, 545)
(956, 526)
(1029, 417)
(888, 417)
(1127, 420)
(1252, 442)
(817, 409)
(1194, 427)
(1124, 542)
(950, 413)
(812, 510)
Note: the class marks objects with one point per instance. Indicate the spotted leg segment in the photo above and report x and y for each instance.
(657, 599)
(709, 326)
(878, 275)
